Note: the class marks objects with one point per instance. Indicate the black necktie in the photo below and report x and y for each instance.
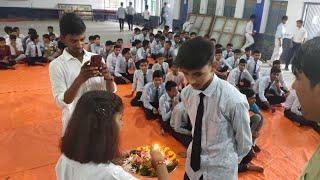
(196, 142)
(227, 56)
(163, 72)
(255, 68)
(234, 64)
(145, 79)
(156, 96)
(36, 49)
(239, 78)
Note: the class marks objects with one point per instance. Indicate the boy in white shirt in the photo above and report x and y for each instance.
(168, 52)
(16, 49)
(141, 77)
(249, 33)
(144, 35)
(293, 111)
(143, 52)
(33, 51)
(124, 68)
(151, 95)
(135, 46)
(247, 54)
(113, 58)
(96, 46)
(240, 77)
(223, 68)
(253, 65)
(176, 76)
(233, 61)
(277, 64)
(20, 35)
(218, 113)
(71, 74)
(108, 49)
(228, 52)
(156, 46)
(161, 65)
(167, 103)
(146, 16)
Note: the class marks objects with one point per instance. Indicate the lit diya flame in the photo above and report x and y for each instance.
(156, 147)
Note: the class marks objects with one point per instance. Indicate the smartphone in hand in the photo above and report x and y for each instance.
(96, 61)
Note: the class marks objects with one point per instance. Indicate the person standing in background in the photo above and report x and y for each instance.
(164, 14)
(121, 14)
(249, 33)
(280, 34)
(130, 12)
(298, 38)
(146, 17)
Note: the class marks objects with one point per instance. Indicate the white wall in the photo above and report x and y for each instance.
(203, 7)
(220, 7)
(239, 9)
(96, 4)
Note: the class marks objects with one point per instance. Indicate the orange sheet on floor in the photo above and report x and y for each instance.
(31, 126)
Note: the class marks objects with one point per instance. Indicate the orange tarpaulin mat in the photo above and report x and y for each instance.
(31, 126)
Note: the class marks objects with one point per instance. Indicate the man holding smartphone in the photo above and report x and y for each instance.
(74, 73)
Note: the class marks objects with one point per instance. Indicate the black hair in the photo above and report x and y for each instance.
(242, 61)
(170, 84)
(145, 43)
(46, 36)
(170, 32)
(157, 74)
(253, 16)
(193, 33)
(2, 39)
(206, 36)
(169, 42)
(159, 32)
(162, 38)
(230, 44)
(52, 34)
(70, 23)
(91, 38)
(109, 43)
(247, 49)
(16, 28)
(34, 37)
(117, 47)
(218, 51)
(143, 61)
(177, 35)
(136, 29)
(96, 36)
(157, 36)
(256, 52)
(121, 3)
(213, 39)
(186, 57)
(237, 51)
(306, 60)
(151, 34)
(92, 134)
(8, 29)
(12, 37)
(284, 18)
(218, 46)
(249, 92)
(61, 45)
(32, 31)
(50, 27)
(133, 44)
(166, 27)
(145, 29)
(119, 39)
(275, 70)
(276, 62)
(299, 21)
(125, 51)
(137, 41)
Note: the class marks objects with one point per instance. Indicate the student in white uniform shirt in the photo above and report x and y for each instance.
(228, 52)
(167, 103)
(223, 67)
(70, 74)
(33, 51)
(151, 95)
(121, 15)
(113, 58)
(124, 68)
(253, 65)
(156, 46)
(144, 35)
(233, 61)
(146, 16)
(96, 46)
(293, 111)
(218, 113)
(280, 34)
(168, 52)
(277, 64)
(142, 53)
(161, 65)
(247, 54)
(16, 49)
(176, 76)
(240, 76)
(91, 141)
(130, 14)
(269, 90)
(20, 35)
(298, 38)
(249, 33)
(141, 77)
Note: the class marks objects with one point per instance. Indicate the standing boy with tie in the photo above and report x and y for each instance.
(151, 95)
(218, 113)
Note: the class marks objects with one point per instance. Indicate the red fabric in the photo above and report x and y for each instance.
(31, 127)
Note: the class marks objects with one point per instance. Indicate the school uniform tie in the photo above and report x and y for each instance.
(239, 78)
(234, 64)
(156, 96)
(145, 79)
(255, 68)
(162, 69)
(196, 142)
(36, 50)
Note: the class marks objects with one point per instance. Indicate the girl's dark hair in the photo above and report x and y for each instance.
(70, 23)
(92, 134)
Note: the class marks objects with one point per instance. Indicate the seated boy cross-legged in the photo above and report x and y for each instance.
(240, 76)
(151, 94)
(124, 68)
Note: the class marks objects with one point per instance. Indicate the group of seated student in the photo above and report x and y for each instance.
(18, 48)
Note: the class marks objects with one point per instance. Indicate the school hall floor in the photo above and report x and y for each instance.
(31, 127)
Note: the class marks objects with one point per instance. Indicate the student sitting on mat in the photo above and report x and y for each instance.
(33, 51)
(151, 94)
(240, 77)
(293, 112)
(176, 76)
(141, 77)
(5, 56)
(142, 52)
(124, 68)
(228, 52)
(168, 52)
(247, 54)
(113, 58)
(253, 65)
(161, 65)
(91, 142)
(167, 103)
(277, 64)
(233, 61)
(268, 89)
(156, 46)
(108, 49)
(223, 68)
